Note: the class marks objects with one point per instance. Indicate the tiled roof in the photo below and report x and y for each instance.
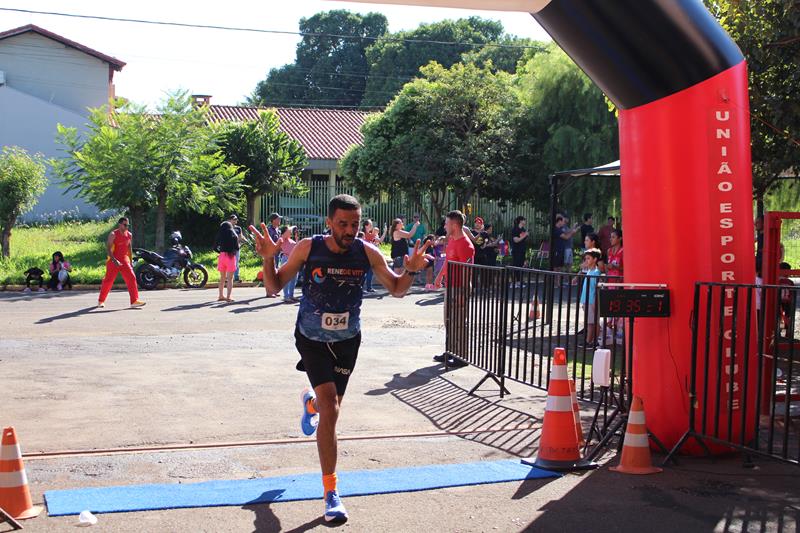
(324, 133)
(114, 62)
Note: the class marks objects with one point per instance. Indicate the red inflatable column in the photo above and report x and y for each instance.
(687, 216)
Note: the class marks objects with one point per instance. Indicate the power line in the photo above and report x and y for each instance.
(359, 75)
(363, 74)
(43, 52)
(342, 89)
(320, 100)
(261, 30)
(40, 53)
(318, 105)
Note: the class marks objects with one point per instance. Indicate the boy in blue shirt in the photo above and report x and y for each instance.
(589, 294)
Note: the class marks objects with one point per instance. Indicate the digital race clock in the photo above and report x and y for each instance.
(634, 302)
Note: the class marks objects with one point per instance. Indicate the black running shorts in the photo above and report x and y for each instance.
(327, 362)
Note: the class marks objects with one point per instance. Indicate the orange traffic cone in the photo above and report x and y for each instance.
(576, 411)
(15, 497)
(558, 446)
(636, 447)
(534, 313)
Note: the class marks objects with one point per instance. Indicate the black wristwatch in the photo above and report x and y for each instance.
(412, 274)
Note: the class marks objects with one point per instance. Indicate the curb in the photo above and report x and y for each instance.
(96, 287)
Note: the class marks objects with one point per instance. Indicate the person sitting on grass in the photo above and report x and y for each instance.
(34, 274)
(589, 295)
(59, 273)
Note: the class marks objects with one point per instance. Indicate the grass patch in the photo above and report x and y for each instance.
(83, 245)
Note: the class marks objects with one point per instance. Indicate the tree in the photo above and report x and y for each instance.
(449, 130)
(106, 168)
(330, 67)
(271, 160)
(396, 60)
(505, 54)
(133, 160)
(284, 85)
(563, 123)
(22, 181)
(768, 33)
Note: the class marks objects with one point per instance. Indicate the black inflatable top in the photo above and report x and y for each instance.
(639, 51)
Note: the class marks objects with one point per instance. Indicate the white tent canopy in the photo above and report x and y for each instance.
(609, 169)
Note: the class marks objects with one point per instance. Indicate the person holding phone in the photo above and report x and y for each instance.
(519, 241)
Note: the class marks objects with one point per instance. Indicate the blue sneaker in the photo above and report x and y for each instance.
(309, 421)
(334, 508)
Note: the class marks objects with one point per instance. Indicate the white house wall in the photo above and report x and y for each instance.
(30, 123)
(54, 72)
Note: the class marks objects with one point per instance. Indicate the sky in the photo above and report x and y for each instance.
(224, 64)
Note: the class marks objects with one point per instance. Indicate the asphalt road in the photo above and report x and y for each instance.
(186, 370)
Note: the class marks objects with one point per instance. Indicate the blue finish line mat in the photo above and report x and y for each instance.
(284, 488)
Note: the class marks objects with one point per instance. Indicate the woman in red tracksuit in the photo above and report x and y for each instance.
(119, 262)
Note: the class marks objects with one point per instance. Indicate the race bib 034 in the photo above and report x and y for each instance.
(335, 321)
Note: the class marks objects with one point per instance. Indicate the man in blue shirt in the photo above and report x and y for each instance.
(328, 327)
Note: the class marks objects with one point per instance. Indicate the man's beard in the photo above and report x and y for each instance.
(340, 242)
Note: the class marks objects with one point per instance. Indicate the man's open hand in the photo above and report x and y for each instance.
(418, 260)
(265, 246)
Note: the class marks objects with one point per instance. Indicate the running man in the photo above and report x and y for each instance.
(120, 254)
(328, 329)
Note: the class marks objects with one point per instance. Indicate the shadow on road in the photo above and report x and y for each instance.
(19, 296)
(433, 300)
(450, 408)
(78, 312)
(189, 307)
(415, 379)
(720, 497)
(250, 309)
(308, 526)
(266, 520)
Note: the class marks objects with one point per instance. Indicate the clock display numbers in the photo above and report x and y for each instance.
(634, 302)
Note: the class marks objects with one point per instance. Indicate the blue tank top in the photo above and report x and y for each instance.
(331, 306)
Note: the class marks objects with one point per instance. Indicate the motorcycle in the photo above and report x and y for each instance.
(153, 269)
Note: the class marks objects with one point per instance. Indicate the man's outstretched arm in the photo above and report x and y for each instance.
(276, 278)
(398, 284)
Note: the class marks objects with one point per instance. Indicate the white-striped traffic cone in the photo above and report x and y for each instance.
(15, 497)
(558, 446)
(636, 446)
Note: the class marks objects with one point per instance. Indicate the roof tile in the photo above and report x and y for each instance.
(324, 133)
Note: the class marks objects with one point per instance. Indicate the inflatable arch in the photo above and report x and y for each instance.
(680, 84)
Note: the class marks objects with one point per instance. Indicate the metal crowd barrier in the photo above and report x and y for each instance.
(506, 321)
(745, 382)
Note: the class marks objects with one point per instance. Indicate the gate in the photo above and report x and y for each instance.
(745, 384)
(506, 321)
